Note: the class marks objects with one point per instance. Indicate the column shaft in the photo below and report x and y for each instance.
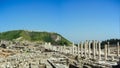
(99, 52)
(89, 50)
(85, 49)
(105, 53)
(78, 50)
(94, 50)
(118, 49)
(81, 49)
(73, 48)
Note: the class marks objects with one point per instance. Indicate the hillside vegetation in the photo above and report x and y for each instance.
(112, 42)
(21, 35)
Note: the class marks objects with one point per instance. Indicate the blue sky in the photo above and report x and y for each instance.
(76, 20)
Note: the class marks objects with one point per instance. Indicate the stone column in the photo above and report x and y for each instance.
(81, 46)
(89, 49)
(96, 47)
(85, 49)
(67, 50)
(87, 44)
(108, 50)
(46, 46)
(99, 51)
(49, 44)
(64, 47)
(105, 52)
(73, 48)
(118, 49)
(78, 50)
(94, 57)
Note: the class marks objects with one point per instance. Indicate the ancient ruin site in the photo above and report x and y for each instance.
(86, 54)
(59, 33)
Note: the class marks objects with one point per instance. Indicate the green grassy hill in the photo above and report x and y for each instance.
(21, 35)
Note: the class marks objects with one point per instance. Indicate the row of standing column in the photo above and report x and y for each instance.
(84, 49)
(87, 49)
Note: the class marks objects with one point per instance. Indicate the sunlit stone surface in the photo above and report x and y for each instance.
(33, 55)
